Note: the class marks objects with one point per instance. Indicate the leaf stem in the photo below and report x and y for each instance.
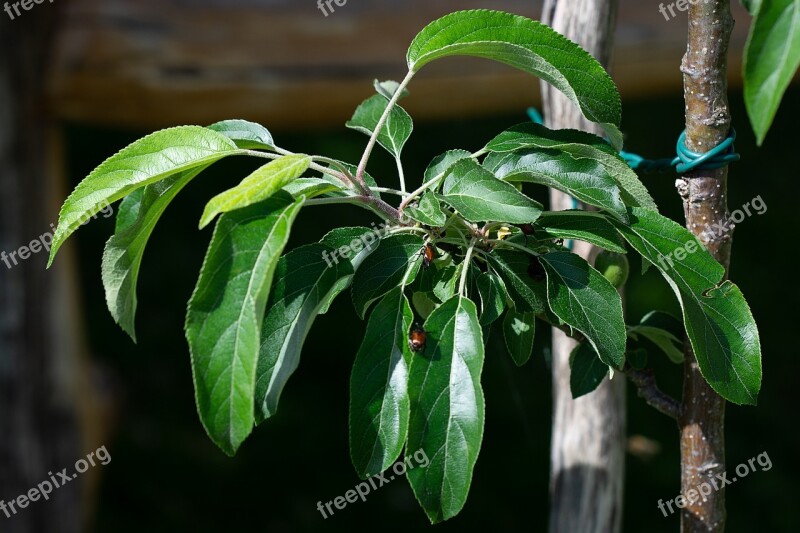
(467, 259)
(388, 191)
(362, 166)
(333, 201)
(431, 182)
(513, 245)
(342, 169)
(401, 174)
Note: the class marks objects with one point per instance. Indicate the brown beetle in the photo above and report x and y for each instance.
(428, 255)
(417, 339)
(536, 270)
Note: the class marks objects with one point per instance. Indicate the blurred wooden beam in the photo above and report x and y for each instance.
(147, 64)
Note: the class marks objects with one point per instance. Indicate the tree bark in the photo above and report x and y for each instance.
(39, 406)
(588, 436)
(704, 194)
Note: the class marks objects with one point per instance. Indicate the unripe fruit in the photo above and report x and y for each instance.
(614, 267)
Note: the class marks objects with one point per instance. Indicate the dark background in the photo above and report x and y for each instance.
(165, 474)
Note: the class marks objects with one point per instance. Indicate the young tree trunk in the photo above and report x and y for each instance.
(704, 194)
(588, 436)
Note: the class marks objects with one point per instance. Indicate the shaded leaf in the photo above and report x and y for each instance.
(493, 297)
(379, 403)
(529, 295)
(429, 211)
(583, 179)
(587, 371)
(396, 257)
(519, 330)
(479, 196)
(579, 225)
(579, 145)
(304, 280)
(353, 244)
(585, 300)
(447, 408)
(718, 321)
(226, 311)
(442, 163)
(137, 216)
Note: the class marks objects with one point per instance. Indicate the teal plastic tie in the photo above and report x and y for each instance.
(721, 155)
(535, 116)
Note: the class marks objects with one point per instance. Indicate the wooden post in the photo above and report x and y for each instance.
(39, 407)
(588, 436)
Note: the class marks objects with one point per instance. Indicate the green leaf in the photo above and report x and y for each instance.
(429, 211)
(445, 281)
(587, 371)
(247, 135)
(493, 297)
(395, 132)
(350, 244)
(519, 330)
(442, 163)
(580, 225)
(664, 340)
(423, 304)
(388, 88)
(479, 196)
(226, 313)
(311, 187)
(585, 300)
(137, 216)
(527, 294)
(529, 46)
(148, 160)
(447, 408)
(771, 58)
(718, 321)
(256, 187)
(664, 330)
(579, 145)
(379, 403)
(304, 281)
(384, 269)
(583, 179)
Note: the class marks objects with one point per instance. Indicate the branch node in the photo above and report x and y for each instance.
(645, 382)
